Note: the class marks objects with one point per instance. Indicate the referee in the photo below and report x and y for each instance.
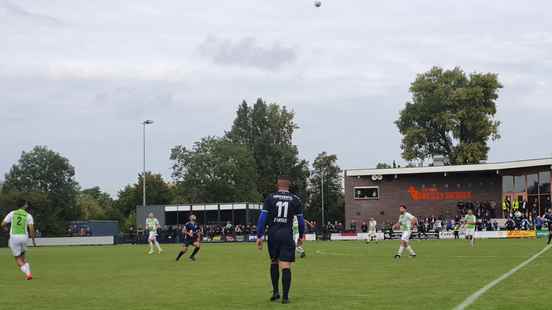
(278, 212)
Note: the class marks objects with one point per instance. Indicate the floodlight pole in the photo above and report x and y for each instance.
(144, 123)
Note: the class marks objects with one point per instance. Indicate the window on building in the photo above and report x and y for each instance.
(507, 184)
(544, 182)
(519, 184)
(367, 192)
(532, 184)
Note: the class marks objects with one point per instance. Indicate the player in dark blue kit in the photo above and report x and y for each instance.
(548, 219)
(278, 212)
(192, 236)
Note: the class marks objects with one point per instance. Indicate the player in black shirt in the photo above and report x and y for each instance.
(548, 219)
(278, 212)
(192, 236)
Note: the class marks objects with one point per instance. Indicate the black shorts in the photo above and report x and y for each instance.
(281, 246)
(189, 241)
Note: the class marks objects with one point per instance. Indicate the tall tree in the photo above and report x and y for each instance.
(158, 192)
(383, 166)
(44, 171)
(325, 166)
(97, 205)
(90, 208)
(127, 200)
(241, 131)
(267, 130)
(451, 114)
(215, 170)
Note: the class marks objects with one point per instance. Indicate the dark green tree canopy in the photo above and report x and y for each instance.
(158, 192)
(45, 172)
(451, 114)
(94, 204)
(214, 170)
(383, 166)
(267, 131)
(326, 165)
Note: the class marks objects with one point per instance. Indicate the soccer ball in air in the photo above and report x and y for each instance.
(317, 3)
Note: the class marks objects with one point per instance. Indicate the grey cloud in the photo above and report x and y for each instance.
(247, 52)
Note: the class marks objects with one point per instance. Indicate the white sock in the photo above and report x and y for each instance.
(401, 249)
(26, 269)
(411, 250)
(158, 246)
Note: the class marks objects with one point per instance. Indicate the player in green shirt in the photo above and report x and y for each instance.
(405, 224)
(469, 226)
(22, 225)
(152, 225)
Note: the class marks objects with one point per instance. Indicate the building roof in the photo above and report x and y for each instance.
(457, 168)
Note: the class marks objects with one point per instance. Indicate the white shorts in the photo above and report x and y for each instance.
(372, 233)
(406, 236)
(152, 236)
(18, 245)
(470, 232)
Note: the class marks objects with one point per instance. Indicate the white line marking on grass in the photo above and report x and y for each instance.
(471, 299)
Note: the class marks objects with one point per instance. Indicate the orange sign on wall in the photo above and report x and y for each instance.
(435, 194)
(522, 234)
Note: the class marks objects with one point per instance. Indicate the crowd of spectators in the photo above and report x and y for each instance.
(75, 230)
(225, 231)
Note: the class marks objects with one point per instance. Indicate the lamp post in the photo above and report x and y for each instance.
(144, 123)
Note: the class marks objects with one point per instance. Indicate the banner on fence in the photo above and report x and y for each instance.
(355, 236)
(104, 240)
(522, 234)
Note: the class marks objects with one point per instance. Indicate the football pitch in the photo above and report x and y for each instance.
(334, 275)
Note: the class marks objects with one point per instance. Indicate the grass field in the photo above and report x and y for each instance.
(335, 275)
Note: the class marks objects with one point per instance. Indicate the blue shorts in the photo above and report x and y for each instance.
(281, 246)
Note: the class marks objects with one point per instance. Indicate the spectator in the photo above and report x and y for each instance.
(457, 231)
(510, 224)
(539, 222)
(364, 227)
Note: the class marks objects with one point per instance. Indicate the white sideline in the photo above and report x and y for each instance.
(471, 299)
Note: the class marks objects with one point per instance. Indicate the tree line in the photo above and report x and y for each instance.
(239, 166)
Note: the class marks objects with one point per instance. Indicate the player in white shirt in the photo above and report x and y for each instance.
(152, 225)
(372, 230)
(22, 225)
(405, 224)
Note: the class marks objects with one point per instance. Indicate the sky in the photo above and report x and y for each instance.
(80, 76)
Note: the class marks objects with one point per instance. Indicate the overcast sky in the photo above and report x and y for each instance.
(80, 76)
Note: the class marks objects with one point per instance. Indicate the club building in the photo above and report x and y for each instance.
(443, 190)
